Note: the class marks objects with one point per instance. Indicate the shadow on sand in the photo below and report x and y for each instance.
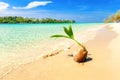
(86, 60)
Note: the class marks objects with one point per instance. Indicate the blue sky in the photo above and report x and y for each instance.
(79, 10)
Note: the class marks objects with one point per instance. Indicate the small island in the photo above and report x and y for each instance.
(18, 19)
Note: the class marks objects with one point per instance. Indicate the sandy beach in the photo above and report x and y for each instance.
(102, 64)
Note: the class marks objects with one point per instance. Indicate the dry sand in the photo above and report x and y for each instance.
(104, 61)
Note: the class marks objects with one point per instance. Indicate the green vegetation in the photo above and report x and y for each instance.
(81, 56)
(113, 18)
(70, 35)
(16, 19)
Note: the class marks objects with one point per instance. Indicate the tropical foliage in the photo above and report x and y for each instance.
(17, 19)
(70, 35)
(114, 17)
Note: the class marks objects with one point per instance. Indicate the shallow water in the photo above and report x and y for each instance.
(22, 43)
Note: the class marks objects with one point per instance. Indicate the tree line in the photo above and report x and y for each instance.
(113, 18)
(17, 19)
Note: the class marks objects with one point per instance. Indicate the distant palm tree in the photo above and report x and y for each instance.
(81, 56)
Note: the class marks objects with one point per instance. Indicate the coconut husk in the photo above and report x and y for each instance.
(81, 56)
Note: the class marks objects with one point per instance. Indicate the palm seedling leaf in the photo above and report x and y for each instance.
(71, 32)
(67, 31)
(59, 36)
(70, 35)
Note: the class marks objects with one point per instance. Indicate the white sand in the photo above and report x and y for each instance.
(105, 65)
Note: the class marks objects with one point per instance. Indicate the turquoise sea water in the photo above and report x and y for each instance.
(13, 37)
(18, 34)
(23, 43)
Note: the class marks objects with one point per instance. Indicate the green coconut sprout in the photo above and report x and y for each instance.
(69, 35)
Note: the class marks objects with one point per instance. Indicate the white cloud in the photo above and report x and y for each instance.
(34, 4)
(3, 5)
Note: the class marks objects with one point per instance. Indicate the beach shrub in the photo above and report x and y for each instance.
(70, 35)
(113, 18)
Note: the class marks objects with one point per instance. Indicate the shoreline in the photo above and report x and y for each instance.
(52, 59)
(34, 49)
